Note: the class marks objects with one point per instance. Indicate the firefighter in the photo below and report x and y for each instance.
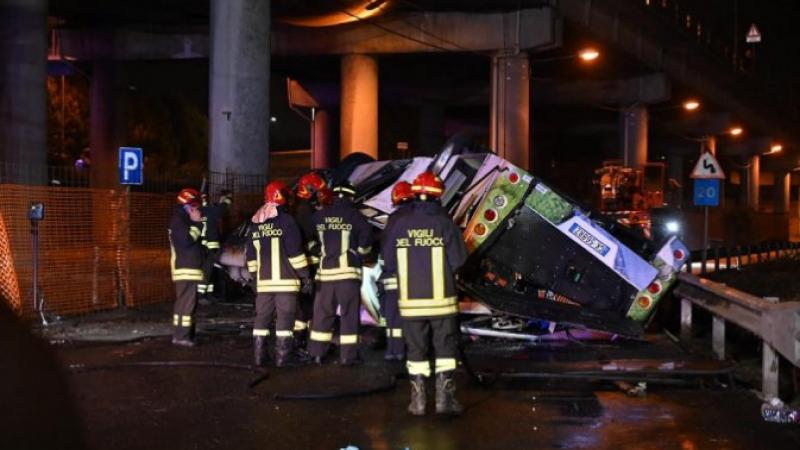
(186, 263)
(343, 238)
(279, 265)
(209, 236)
(428, 249)
(395, 346)
(307, 200)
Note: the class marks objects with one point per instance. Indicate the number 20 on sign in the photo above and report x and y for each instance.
(706, 192)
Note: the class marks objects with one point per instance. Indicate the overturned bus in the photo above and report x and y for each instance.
(538, 260)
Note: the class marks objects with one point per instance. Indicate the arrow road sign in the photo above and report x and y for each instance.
(708, 167)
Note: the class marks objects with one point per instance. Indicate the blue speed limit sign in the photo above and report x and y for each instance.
(706, 192)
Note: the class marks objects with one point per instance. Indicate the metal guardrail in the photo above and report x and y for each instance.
(776, 324)
(734, 257)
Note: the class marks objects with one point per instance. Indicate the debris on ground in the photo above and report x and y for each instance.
(632, 390)
(776, 411)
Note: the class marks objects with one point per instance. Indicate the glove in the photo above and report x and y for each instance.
(306, 286)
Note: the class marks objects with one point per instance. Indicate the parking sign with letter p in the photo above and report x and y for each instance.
(131, 165)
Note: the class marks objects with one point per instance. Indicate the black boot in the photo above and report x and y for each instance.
(446, 402)
(260, 351)
(300, 344)
(182, 336)
(418, 397)
(283, 352)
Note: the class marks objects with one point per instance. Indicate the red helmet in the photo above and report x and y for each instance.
(428, 183)
(276, 192)
(324, 196)
(189, 196)
(308, 184)
(401, 192)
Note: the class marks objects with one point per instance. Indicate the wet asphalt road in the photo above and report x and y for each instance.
(214, 407)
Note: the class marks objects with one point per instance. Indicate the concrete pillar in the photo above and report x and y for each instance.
(239, 76)
(358, 124)
(798, 204)
(322, 157)
(634, 136)
(510, 108)
(107, 123)
(431, 129)
(753, 182)
(783, 185)
(709, 144)
(23, 96)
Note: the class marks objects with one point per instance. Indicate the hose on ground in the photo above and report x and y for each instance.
(81, 368)
(341, 394)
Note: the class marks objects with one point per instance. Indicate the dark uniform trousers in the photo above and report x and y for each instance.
(419, 333)
(305, 303)
(206, 287)
(183, 313)
(305, 310)
(280, 304)
(347, 295)
(395, 346)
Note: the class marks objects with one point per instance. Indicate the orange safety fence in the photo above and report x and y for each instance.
(98, 248)
(94, 245)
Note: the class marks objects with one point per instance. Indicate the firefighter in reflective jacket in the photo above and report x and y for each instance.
(428, 249)
(309, 187)
(209, 237)
(186, 262)
(395, 346)
(343, 237)
(279, 265)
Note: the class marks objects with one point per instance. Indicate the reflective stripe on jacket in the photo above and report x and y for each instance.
(343, 237)
(186, 252)
(424, 248)
(275, 254)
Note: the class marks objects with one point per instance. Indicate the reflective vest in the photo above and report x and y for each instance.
(275, 254)
(423, 248)
(186, 251)
(212, 216)
(389, 279)
(342, 238)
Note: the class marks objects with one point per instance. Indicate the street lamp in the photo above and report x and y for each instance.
(691, 105)
(588, 54)
(775, 148)
(735, 131)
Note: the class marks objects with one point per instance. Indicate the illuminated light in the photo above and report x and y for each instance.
(775, 148)
(480, 229)
(735, 131)
(678, 254)
(513, 178)
(273, 119)
(691, 105)
(500, 201)
(673, 226)
(361, 11)
(374, 4)
(490, 215)
(654, 288)
(589, 54)
(644, 302)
